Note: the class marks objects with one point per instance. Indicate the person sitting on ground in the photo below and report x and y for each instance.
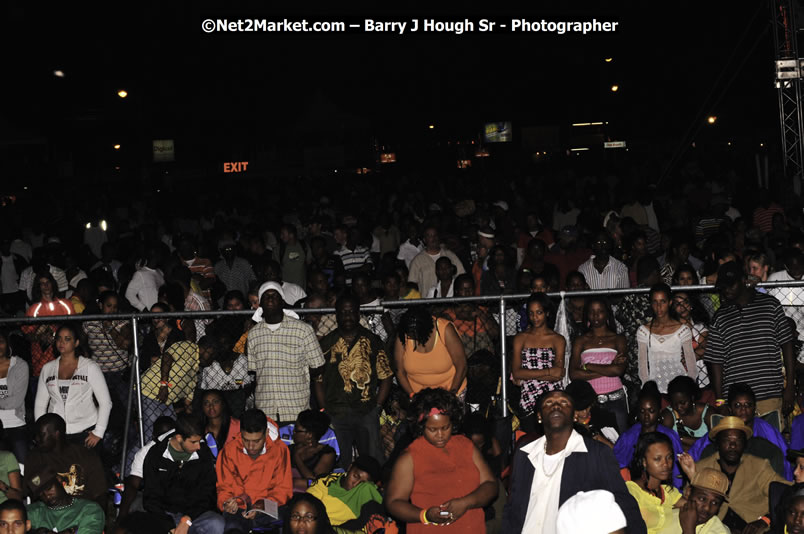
(73, 386)
(306, 515)
(351, 498)
(253, 467)
(179, 475)
(14, 517)
(79, 469)
(649, 404)
(57, 511)
(163, 427)
(310, 459)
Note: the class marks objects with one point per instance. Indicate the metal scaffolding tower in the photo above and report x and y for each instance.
(788, 84)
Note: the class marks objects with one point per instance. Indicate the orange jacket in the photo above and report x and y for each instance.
(267, 477)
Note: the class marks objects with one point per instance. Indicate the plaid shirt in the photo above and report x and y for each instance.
(281, 359)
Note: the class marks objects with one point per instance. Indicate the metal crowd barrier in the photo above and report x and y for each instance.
(500, 300)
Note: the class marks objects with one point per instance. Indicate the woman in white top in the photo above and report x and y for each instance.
(665, 344)
(69, 387)
(13, 386)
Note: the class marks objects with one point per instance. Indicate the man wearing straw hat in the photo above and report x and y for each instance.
(698, 515)
(749, 476)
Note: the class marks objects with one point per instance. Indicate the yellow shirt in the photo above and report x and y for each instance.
(657, 514)
(713, 526)
(183, 373)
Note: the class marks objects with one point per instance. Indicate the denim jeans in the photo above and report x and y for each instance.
(363, 431)
(206, 523)
(619, 409)
(238, 522)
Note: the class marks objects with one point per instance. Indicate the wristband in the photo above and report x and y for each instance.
(166, 384)
(584, 367)
(720, 402)
(764, 519)
(423, 517)
(186, 520)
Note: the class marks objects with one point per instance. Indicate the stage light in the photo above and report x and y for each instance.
(122, 93)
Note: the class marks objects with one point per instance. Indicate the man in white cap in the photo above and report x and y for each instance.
(282, 351)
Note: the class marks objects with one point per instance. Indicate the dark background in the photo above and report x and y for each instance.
(283, 101)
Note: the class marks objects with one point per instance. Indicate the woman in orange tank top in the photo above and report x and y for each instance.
(428, 354)
(441, 479)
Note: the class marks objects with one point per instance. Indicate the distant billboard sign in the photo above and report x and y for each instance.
(164, 150)
(614, 144)
(497, 132)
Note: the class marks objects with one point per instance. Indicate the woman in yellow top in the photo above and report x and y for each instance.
(428, 354)
(650, 484)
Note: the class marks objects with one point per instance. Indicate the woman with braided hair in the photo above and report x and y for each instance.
(428, 354)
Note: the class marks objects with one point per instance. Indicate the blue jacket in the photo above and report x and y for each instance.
(596, 469)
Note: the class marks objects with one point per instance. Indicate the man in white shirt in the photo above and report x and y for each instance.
(550, 470)
(143, 290)
(422, 268)
(412, 245)
(601, 271)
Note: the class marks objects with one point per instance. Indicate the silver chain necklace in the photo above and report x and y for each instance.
(558, 463)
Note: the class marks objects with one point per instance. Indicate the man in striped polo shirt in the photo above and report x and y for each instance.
(749, 338)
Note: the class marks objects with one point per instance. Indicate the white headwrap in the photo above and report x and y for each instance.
(257, 317)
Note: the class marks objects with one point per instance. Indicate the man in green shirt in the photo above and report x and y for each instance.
(57, 511)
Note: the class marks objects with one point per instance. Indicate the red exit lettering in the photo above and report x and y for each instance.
(235, 166)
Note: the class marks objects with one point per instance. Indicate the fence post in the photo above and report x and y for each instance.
(136, 373)
(132, 369)
(503, 341)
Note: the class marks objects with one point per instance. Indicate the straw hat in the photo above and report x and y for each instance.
(712, 480)
(730, 423)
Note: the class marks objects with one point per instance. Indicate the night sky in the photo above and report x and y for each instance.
(184, 83)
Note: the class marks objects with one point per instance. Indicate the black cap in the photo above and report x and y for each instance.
(582, 393)
(369, 465)
(728, 274)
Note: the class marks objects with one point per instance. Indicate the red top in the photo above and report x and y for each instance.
(443, 474)
(39, 355)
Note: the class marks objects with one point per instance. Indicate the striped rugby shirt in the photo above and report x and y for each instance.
(747, 342)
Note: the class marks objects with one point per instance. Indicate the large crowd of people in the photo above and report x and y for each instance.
(662, 411)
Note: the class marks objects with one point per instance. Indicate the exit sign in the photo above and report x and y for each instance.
(235, 166)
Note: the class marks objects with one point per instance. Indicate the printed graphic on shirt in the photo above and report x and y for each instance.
(64, 390)
(3, 391)
(74, 480)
